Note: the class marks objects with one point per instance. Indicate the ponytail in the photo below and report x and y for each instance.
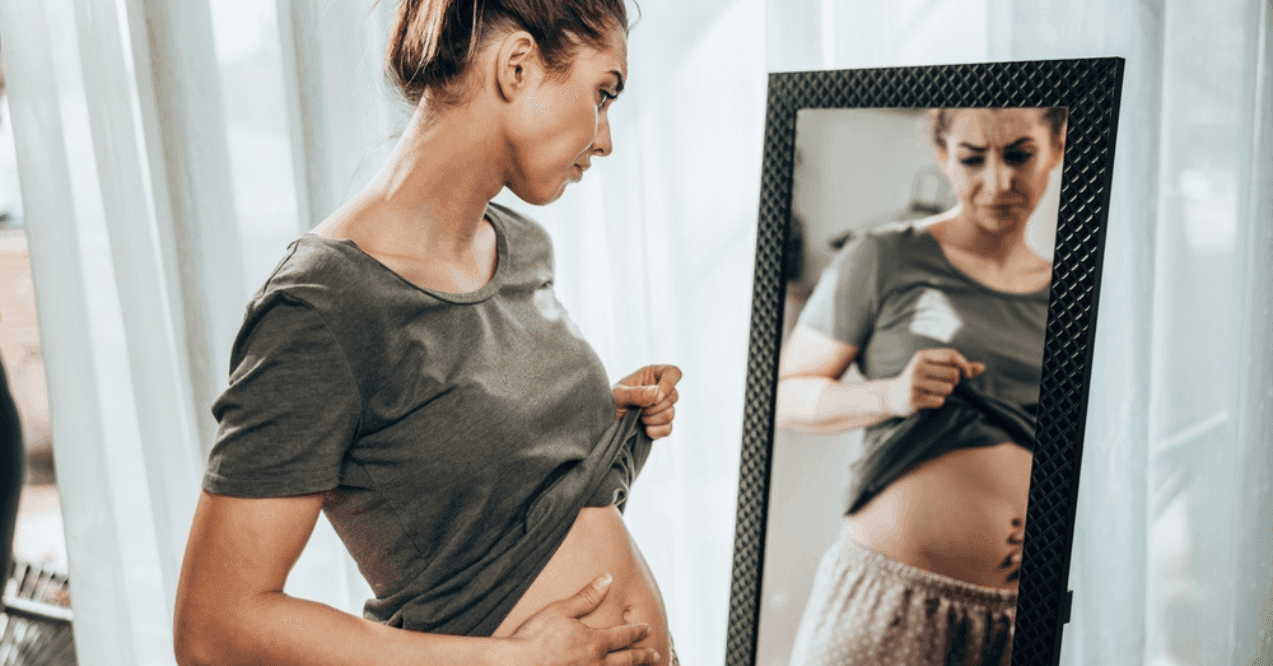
(432, 42)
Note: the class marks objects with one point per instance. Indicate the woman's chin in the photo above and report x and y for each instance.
(560, 191)
(540, 197)
(1001, 224)
(548, 193)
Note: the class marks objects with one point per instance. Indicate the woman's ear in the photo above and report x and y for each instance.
(1058, 148)
(516, 59)
(939, 140)
(943, 158)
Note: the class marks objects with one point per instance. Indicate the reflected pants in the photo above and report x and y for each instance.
(867, 610)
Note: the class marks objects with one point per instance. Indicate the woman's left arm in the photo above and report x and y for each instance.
(652, 388)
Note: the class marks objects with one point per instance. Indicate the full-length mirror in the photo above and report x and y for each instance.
(919, 268)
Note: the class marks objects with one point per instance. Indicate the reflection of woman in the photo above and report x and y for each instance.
(408, 371)
(945, 318)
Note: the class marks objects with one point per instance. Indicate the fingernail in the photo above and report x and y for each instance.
(656, 655)
(606, 580)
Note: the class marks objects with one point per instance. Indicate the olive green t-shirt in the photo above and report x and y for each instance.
(891, 292)
(456, 436)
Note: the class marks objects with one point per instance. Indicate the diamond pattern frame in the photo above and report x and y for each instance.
(1091, 90)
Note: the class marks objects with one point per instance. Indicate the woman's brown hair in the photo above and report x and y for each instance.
(1053, 117)
(433, 41)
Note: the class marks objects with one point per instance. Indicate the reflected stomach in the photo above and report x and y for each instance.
(599, 542)
(961, 515)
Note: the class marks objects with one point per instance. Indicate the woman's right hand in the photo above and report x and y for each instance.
(928, 378)
(556, 637)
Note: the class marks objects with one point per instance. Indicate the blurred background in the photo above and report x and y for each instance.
(168, 152)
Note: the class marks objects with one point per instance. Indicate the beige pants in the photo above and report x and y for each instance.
(867, 610)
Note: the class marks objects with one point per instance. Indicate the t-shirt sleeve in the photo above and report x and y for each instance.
(291, 410)
(845, 301)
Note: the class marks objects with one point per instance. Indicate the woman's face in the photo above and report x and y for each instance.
(999, 162)
(560, 126)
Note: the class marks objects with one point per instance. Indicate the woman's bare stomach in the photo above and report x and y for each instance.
(598, 543)
(961, 515)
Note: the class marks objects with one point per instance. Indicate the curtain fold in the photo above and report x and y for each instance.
(178, 85)
(1251, 610)
(156, 358)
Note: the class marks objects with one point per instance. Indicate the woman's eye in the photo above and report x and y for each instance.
(972, 161)
(605, 97)
(1017, 157)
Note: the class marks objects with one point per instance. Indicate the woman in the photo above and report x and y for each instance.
(408, 371)
(945, 317)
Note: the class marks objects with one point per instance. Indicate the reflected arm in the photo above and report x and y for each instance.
(811, 397)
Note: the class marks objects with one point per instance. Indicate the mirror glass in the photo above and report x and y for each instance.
(918, 273)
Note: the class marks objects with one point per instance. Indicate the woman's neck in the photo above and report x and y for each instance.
(1002, 250)
(1000, 261)
(429, 198)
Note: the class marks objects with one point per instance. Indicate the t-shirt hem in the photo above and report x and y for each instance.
(499, 614)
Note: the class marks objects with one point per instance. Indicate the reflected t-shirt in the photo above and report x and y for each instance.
(456, 435)
(891, 292)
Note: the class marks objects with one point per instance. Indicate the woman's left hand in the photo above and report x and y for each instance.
(654, 389)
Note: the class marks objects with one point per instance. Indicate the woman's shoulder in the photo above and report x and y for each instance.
(326, 274)
(892, 256)
(900, 234)
(327, 290)
(883, 240)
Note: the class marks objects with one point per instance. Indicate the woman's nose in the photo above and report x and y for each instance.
(601, 145)
(998, 176)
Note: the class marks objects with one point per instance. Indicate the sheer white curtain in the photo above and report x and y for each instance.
(1173, 553)
(169, 151)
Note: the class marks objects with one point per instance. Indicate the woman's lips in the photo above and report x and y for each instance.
(1003, 210)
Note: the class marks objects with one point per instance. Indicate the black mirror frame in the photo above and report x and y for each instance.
(1091, 89)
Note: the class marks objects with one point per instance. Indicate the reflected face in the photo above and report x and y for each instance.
(999, 162)
(563, 125)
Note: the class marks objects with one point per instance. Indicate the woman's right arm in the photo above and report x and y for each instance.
(231, 609)
(811, 397)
